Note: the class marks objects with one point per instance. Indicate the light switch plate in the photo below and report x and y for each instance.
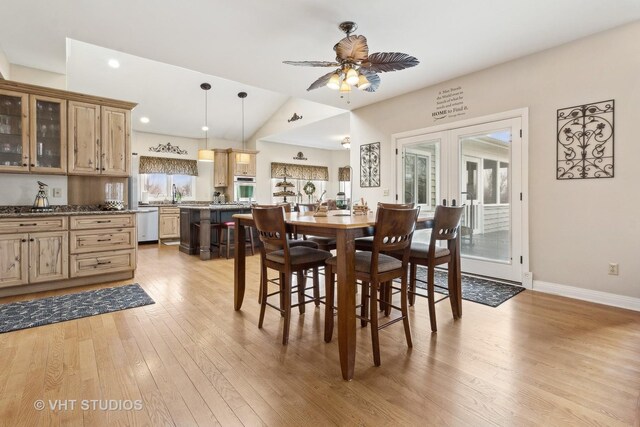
(57, 192)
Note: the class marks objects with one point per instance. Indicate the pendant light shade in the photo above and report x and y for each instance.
(243, 158)
(205, 155)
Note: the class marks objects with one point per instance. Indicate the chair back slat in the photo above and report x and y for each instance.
(271, 227)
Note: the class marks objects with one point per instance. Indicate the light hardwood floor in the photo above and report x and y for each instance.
(535, 360)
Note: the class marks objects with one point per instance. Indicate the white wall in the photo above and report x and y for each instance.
(5, 67)
(142, 141)
(284, 153)
(21, 189)
(577, 226)
(38, 77)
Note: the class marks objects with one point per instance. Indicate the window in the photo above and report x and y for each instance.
(159, 186)
(495, 182)
(417, 182)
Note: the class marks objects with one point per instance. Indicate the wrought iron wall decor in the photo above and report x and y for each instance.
(294, 118)
(370, 165)
(168, 148)
(585, 141)
(300, 156)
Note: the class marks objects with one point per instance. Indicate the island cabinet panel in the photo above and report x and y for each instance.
(48, 256)
(14, 261)
(84, 138)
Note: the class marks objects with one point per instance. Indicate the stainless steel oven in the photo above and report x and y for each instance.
(244, 188)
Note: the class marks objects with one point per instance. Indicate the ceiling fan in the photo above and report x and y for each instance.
(355, 67)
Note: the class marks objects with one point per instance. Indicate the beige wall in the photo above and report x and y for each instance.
(284, 153)
(576, 227)
(38, 77)
(5, 67)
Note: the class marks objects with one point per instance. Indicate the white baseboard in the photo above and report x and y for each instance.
(599, 297)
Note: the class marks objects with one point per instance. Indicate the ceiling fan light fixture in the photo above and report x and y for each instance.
(334, 81)
(345, 87)
(363, 82)
(352, 77)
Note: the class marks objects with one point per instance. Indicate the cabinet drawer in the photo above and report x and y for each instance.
(86, 222)
(102, 262)
(171, 210)
(94, 241)
(25, 225)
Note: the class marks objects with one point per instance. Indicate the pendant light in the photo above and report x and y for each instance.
(243, 158)
(205, 155)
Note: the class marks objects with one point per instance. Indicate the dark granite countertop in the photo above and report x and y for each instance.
(216, 207)
(58, 210)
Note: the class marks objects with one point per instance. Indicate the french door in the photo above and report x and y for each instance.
(478, 167)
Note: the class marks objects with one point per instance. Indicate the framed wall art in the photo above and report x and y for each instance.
(370, 165)
(585, 141)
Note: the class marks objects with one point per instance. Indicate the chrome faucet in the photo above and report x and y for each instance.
(174, 192)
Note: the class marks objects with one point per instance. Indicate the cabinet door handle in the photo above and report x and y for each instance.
(106, 221)
(104, 240)
(104, 262)
(32, 165)
(32, 240)
(24, 240)
(28, 225)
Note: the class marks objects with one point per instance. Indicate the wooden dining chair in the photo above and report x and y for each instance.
(277, 254)
(393, 233)
(446, 228)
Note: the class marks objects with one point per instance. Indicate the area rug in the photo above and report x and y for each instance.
(44, 311)
(482, 291)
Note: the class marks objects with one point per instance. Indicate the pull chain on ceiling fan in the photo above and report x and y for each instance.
(355, 67)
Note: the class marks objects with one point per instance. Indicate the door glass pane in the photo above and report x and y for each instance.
(10, 130)
(485, 187)
(421, 181)
(48, 139)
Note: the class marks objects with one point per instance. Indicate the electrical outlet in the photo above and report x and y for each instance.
(57, 192)
(385, 192)
(613, 268)
(527, 279)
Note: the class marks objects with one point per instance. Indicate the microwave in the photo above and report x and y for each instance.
(244, 188)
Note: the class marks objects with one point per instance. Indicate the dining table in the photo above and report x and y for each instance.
(345, 228)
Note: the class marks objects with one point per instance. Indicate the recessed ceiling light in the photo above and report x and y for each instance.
(114, 63)
(205, 128)
(144, 119)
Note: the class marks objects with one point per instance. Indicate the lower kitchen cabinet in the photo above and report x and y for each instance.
(169, 223)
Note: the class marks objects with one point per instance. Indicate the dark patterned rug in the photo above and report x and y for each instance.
(482, 291)
(44, 311)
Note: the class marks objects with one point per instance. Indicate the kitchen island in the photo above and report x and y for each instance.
(196, 225)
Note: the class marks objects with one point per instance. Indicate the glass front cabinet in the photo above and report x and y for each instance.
(32, 133)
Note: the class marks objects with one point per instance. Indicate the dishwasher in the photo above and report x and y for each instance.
(147, 224)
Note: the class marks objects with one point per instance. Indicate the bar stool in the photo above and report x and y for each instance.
(224, 229)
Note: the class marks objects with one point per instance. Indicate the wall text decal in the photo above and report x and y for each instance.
(449, 103)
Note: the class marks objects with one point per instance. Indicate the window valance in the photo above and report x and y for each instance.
(313, 173)
(168, 166)
(344, 174)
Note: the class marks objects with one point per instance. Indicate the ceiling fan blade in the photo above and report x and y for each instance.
(322, 81)
(312, 63)
(381, 62)
(352, 48)
(373, 78)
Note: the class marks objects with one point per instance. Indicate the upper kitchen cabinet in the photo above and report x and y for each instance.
(14, 131)
(33, 133)
(220, 167)
(44, 130)
(242, 167)
(99, 140)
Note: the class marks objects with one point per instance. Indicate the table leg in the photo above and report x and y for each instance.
(239, 265)
(205, 234)
(458, 277)
(346, 303)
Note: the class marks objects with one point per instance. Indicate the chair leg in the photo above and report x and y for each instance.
(375, 342)
(316, 287)
(404, 306)
(364, 304)
(250, 231)
(383, 305)
(281, 280)
(302, 280)
(453, 294)
(413, 269)
(287, 308)
(328, 303)
(264, 291)
(228, 241)
(388, 296)
(431, 297)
